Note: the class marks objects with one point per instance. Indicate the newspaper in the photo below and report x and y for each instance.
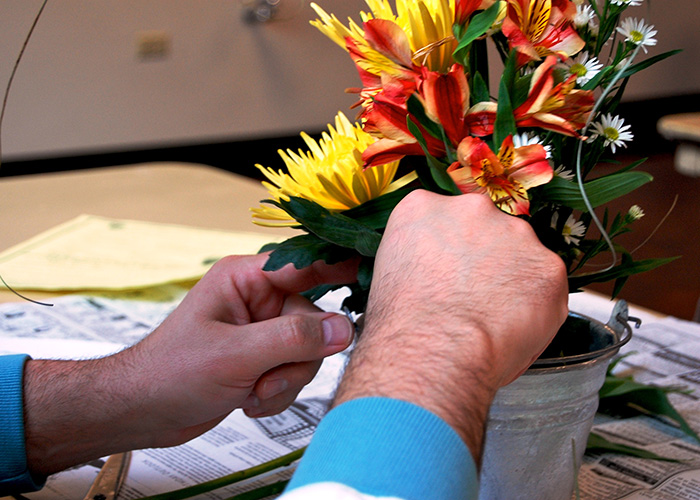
(663, 351)
(79, 326)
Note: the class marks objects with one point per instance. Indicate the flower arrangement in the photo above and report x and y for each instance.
(432, 116)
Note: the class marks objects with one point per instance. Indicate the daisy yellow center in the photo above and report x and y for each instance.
(578, 69)
(636, 36)
(611, 133)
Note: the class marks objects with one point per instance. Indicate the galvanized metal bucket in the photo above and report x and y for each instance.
(539, 424)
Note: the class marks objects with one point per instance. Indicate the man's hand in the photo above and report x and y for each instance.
(240, 338)
(464, 298)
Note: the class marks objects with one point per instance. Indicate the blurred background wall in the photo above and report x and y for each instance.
(107, 76)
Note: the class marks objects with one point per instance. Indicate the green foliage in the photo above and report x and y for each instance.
(304, 250)
(505, 121)
(332, 227)
(624, 397)
(477, 27)
(599, 444)
(599, 191)
(438, 180)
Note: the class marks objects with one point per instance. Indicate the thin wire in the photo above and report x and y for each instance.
(2, 116)
(22, 296)
(14, 70)
(579, 179)
(663, 219)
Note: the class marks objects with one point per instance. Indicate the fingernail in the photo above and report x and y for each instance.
(274, 387)
(337, 330)
(251, 401)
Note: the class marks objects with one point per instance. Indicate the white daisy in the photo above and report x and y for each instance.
(613, 130)
(584, 17)
(572, 231)
(526, 139)
(635, 212)
(564, 173)
(637, 32)
(628, 3)
(583, 67)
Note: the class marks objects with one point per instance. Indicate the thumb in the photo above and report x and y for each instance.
(294, 338)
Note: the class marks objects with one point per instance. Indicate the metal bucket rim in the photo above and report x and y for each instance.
(586, 358)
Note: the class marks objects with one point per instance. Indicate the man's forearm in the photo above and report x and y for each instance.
(427, 379)
(74, 413)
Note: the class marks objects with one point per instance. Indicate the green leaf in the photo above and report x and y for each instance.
(334, 228)
(267, 247)
(479, 91)
(599, 444)
(521, 90)
(438, 170)
(622, 395)
(416, 110)
(478, 26)
(634, 68)
(375, 213)
(505, 121)
(304, 250)
(579, 281)
(595, 81)
(599, 191)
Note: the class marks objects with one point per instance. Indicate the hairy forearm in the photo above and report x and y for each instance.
(74, 412)
(414, 367)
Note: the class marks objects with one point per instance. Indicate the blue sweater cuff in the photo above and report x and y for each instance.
(387, 447)
(14, 475)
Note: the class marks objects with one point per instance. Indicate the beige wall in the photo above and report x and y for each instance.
(81, 87)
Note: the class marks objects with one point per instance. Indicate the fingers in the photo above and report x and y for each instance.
(292, 338)
(236, 289)
(279, 387)
(295, 280)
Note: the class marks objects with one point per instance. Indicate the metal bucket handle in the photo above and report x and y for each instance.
(618, 324)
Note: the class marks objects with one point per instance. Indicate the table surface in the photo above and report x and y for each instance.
(176, 193)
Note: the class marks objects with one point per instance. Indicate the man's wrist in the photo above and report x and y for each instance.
(422, 369)
(74, 412)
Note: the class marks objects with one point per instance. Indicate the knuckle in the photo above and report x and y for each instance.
(296, 332)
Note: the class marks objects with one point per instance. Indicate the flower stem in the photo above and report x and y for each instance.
(262, 492)
(232, 478)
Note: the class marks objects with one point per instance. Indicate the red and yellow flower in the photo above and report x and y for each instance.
(558, 107)
(538, 28)
(505, 177)
(418, 34)
(445, 98)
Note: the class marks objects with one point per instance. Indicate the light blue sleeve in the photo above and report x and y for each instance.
(386, 447)
(14, 475)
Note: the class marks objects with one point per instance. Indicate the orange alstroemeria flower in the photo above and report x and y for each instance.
(385, 49)
(445, 98)
(386, 118)
(538, 28)
(505, 177)
(558, 107)
(397, 45)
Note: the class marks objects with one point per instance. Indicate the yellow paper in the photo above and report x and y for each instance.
(91, 252)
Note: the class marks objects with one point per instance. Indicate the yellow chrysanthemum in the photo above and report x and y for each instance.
(331, 174)
(427, 23)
